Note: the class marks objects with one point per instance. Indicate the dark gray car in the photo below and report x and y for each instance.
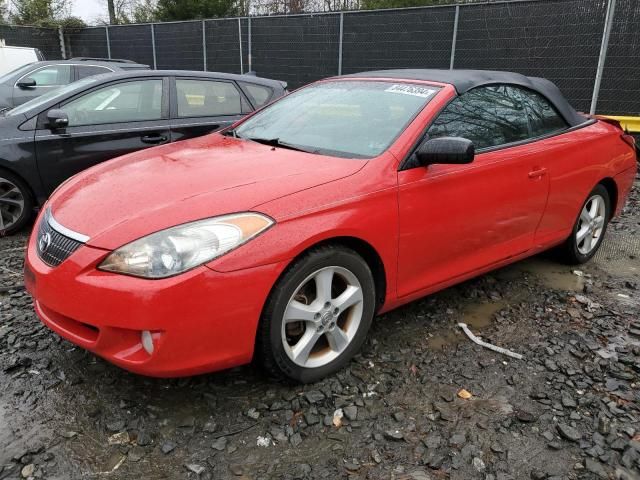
(47, 140)
(32, 80)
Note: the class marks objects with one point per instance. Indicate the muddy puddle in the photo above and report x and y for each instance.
(476, 316)
(549, 273)
(480, 316)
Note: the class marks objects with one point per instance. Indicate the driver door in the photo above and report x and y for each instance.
(458, 219)
(104, 123)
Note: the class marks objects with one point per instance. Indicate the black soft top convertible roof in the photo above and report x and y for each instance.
(465, 80)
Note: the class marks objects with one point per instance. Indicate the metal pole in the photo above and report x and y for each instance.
(153, 46)
(240, 43)
(249, 43)
(63, 50)
(608, 25)
(106, 31)
(340, 43)
(455, 37)
(204, 46)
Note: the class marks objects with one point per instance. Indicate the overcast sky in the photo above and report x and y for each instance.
(89, 10)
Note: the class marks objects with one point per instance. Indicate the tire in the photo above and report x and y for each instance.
(576, 250)
(16, 203)
(335, 325)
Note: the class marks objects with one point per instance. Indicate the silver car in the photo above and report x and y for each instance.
(32, 80)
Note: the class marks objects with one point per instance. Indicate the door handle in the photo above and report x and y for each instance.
(153, 139)
(537, 173)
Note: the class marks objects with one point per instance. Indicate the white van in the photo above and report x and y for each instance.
(15, 57)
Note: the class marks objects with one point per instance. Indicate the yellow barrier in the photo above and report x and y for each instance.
(632, 124)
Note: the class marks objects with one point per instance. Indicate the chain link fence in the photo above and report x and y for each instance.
(556, 39)
(296, 49)
(620, 90)
(414, 38)
(561, 40)
(89, 42)
(133, 42)
(45, 39)
(224, 39)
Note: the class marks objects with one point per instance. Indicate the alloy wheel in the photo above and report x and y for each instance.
(591, 224)
(322, 317)
(12, 203)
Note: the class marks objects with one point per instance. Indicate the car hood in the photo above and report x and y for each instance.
(132, 196)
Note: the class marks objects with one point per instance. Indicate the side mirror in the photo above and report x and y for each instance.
(447, 150)
(27, 83)
(57, 119)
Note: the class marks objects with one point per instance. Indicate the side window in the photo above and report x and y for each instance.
(259, 93)
(543, 117)
(51, 76)
(88, 71)
(122, 102)
(207, 98)
(488, 116)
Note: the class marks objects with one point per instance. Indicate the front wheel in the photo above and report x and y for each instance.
(589, 228)
(16, 204)
(317, 316)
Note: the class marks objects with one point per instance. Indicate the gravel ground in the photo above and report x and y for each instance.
(570, 409)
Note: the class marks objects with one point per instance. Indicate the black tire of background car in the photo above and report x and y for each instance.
(270, 354)
(568, 252)
(27, 213)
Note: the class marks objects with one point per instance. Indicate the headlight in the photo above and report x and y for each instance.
(178, 249)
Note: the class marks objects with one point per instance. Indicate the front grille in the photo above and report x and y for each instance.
(54, 247)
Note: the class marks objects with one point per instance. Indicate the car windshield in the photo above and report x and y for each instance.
(42, 99)
(348, 118)
(18, 71)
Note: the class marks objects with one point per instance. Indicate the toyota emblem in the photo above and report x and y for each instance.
(44, 242)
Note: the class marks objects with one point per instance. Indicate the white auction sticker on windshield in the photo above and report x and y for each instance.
(414, 90)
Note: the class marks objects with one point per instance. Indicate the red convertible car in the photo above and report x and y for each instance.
(280, 238)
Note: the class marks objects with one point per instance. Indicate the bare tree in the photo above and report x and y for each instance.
(111, 7)
(3, 11)
(129, 11)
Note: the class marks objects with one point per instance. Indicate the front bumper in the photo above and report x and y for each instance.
(201, 321)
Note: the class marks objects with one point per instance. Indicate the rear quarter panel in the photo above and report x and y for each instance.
(577, 161)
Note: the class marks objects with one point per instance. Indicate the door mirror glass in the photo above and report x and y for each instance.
(57, 119)
(27, 83)
(446, 150)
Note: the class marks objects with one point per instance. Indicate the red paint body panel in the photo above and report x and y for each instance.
(431, 227)
(576, 162)
(457, 218)
(179, 182)
(205, 320)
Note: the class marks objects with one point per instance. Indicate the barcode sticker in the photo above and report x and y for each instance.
(414, 90)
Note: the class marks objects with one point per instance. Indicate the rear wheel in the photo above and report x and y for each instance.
(589, 228)
(317, 316)
(16, 204)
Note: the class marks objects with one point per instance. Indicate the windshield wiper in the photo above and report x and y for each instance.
(231, 133)
(276, 142)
